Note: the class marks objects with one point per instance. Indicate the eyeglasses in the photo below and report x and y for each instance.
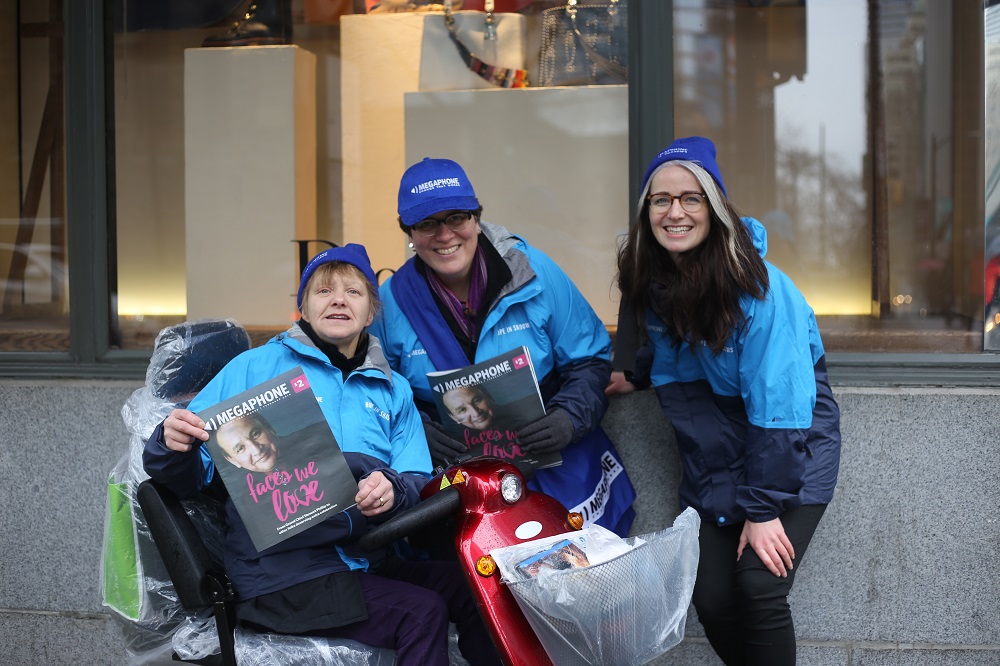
(454, 222)
(690, 201)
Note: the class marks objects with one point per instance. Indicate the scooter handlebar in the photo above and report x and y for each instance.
(429, 511)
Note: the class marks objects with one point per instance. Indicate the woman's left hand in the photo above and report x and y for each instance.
(375, 494)
(772, 546)
(619, 385)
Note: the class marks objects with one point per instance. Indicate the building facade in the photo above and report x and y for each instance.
(147, 180)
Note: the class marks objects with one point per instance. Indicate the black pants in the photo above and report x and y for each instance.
(743, 606)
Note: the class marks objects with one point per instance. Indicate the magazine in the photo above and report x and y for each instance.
(485, 404)
(278, 458)
(561, 555)
(541, 557)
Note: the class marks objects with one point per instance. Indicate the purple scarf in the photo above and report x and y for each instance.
(463, 313)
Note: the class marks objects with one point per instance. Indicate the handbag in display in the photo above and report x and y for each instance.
(470, 49)
(584, 45)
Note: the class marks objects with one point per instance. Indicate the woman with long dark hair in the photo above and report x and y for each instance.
(734, 354)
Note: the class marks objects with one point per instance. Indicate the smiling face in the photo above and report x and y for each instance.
(249, 444)
(449, 253)
(676, 229)
(470, 407)
(337, 303)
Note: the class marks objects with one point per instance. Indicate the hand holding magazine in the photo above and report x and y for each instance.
(278, 458)
(485, 404)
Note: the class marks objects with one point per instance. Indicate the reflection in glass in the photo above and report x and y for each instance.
(34, 308)
(869, 200)
(992, 198)
(150, 155)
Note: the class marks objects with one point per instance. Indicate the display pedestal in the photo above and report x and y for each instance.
(379, 62)
(250, 179)
(549, 163)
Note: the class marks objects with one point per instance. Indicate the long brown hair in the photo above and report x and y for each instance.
(698, 295)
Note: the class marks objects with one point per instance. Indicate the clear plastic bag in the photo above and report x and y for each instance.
(254, 649)
(624, 611)
(134, 581)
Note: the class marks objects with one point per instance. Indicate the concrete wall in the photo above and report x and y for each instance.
(903, 569)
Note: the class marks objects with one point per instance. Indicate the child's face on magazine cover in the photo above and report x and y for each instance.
(249, 444)
(469, 407)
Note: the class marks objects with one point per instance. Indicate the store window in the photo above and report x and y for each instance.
(33, 289)
(236, 163)
(852, 128)
(992, 174)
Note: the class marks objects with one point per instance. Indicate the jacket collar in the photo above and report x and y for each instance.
(296, 340)
(513, 250)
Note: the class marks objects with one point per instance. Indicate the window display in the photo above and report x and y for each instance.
(584, 44)
(34, 310)
(855, 129)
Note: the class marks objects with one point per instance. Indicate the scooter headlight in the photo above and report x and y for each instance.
(511, 488)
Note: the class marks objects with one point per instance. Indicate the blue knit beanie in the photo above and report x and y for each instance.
(352, 254)
(431, 186)
(695, 149)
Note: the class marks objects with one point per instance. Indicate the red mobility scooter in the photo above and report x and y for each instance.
(492, 508)
(620, 608)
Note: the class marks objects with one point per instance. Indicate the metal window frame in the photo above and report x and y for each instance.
(90, 207)
(89, 184)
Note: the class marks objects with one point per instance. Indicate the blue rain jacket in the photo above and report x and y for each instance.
(570, 348)
(541, 309)
(757, 426)
(374, 419)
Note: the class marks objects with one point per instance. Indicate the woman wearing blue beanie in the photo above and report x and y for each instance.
(319, 582)
(734, 354)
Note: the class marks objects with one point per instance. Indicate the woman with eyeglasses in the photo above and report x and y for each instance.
(734, 354)
(473, 291)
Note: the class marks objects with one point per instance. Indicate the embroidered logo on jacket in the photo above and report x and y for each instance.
(513, 328)
(375, 408)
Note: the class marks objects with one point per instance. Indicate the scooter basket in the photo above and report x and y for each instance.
(625, 611)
